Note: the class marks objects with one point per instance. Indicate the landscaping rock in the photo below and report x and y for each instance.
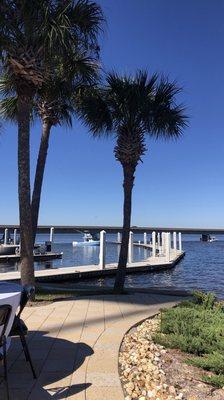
(148, 371)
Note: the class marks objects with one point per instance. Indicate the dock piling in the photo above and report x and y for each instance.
(180, 241)
(158, 240)
(175, 241)
(119, 237)
(102, 255)
(52, 234)
(6, 236)
(145, 238)
(153, 244)
(167, 245)
(15, 236)
(163, 243)
(130, 248)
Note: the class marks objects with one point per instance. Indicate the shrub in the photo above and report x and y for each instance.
(198, 331)
(212, 362)
(215, 380)
(206, 300)
(197, 327)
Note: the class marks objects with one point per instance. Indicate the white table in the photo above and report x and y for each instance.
(10, 293)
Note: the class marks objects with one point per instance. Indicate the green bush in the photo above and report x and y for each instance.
(215, 380)
(196, 327)
(206, 300)
(212, 362)
(198, 331)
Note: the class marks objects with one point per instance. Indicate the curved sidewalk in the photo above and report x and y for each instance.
(74, 345)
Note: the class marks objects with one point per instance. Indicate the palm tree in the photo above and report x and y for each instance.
(55, 107)
(35, 36)
(131, 108)
(21, 48)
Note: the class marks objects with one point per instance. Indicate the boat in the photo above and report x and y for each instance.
(88, 240)
(212, 239)
(208, 238)
(8, 249)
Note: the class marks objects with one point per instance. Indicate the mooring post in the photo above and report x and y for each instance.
(163, 243)
(158, 240)
(102, 254)
(175, 241)
(180, 241)
(119, 237)
(145, 238)
(168, 245)
(130, 248)
(6, 236)
(15, 236)
(52, 234)
(153, 244)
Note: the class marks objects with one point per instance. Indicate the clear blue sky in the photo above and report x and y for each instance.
(180, 183)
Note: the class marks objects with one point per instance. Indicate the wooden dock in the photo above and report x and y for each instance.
(47, 256)
(152, 264)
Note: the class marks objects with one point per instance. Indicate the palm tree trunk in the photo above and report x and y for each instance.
(128, 171)
(26, 243)
(38, 181)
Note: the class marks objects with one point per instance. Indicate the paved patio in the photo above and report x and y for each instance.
(74, 346)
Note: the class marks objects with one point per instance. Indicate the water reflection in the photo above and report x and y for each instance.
(86, 253)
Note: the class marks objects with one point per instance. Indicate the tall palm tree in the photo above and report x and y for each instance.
(35, 34)
(22, 52)
(129, 109)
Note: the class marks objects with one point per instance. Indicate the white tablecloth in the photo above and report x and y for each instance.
(10, 293)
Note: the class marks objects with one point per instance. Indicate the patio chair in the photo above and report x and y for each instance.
(19, 327)
(5, 312)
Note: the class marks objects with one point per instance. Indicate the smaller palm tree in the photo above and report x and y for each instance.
(53, 104)
(129, 109)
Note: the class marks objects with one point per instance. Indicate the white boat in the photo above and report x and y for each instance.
(207, 238)
(212, 239)
(88, 240)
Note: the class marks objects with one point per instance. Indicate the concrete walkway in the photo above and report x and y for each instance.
(74, 346)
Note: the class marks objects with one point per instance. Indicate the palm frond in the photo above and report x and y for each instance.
(131, 107)
(169, 119)
(8, 108)
(92, 109)
(88, 16)
(6, 86)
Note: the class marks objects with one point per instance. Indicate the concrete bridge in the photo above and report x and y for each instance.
(115, 229)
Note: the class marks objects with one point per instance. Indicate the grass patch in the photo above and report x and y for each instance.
(48, 294)
(197, 327)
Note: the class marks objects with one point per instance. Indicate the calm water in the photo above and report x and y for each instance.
(201, 268)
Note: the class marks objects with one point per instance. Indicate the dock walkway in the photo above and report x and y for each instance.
(47, 256)
(75, 344)
(152, 264)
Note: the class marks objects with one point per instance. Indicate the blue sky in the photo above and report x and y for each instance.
(180, 183)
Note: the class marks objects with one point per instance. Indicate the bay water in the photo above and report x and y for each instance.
(201, 268)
